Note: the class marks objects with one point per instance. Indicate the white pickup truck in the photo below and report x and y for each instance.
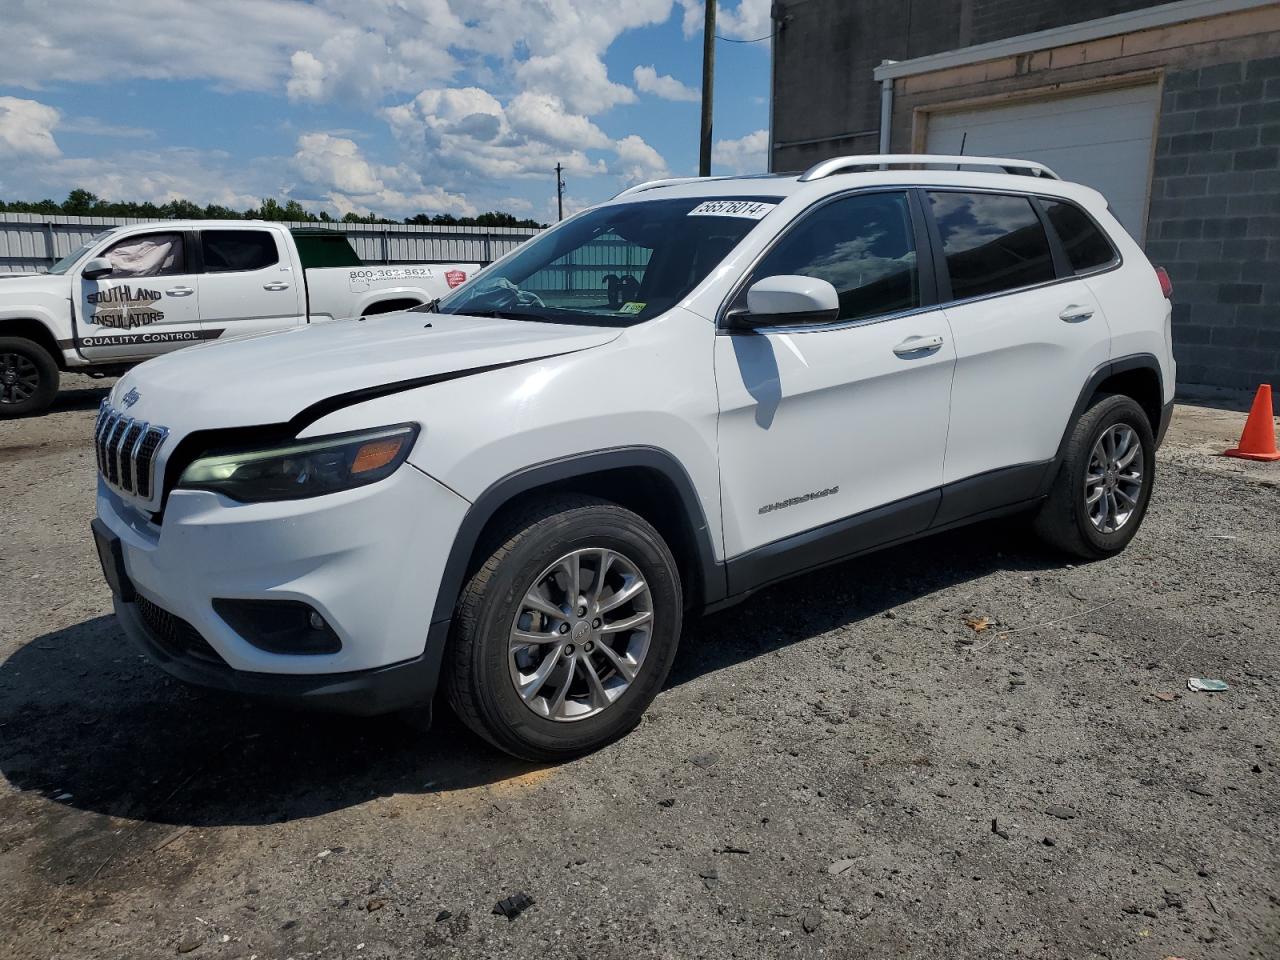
(135, 292)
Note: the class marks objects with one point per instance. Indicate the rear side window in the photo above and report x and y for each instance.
(1087, 246)
(227, 250)
(863, 246)
(991, 242)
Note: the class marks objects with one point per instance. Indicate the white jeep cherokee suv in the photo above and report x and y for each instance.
(663, 404)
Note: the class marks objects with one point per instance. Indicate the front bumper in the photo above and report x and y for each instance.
(410, 683)
(368, 560)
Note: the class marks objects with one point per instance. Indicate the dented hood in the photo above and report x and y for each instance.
(277, 377)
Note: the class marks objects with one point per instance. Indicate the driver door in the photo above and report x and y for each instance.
(832, 435)
(148, 305)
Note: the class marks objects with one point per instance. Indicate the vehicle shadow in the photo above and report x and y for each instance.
(90, 724)
(81, 397)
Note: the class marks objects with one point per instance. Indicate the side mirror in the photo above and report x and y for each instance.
(97, 268)
(786, 301)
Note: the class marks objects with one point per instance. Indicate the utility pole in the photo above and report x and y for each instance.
(559, 193)
(708, 83)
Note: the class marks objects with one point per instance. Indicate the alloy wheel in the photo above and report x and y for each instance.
(580, 635)
(1114, 478)
(19, 378)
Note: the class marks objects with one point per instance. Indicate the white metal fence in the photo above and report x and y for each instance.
(31, 241)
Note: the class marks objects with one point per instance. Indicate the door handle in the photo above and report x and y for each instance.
(1074, 313)
(913, 345)
(179, 291)
(275, 285)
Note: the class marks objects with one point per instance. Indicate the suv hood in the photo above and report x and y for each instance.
(273, 378)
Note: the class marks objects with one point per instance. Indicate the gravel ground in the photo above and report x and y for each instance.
(840, 767)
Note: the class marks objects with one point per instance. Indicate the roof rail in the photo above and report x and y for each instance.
(669, 182)
(836, 165)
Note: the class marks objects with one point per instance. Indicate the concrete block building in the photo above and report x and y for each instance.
(1172, 110)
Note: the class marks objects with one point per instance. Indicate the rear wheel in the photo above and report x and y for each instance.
(28, 377)
(566, 633)
(1104, 484)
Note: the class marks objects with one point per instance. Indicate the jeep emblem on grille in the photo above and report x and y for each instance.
(130, 398)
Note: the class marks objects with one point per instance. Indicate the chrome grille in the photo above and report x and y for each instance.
(126, 451)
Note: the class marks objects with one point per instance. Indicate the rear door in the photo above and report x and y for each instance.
(1028, 333)
(248, 283)
(148, 305)
(823, 423)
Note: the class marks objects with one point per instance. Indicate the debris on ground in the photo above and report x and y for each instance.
(978, 624)
(1205, 685)
(1062, 813)
(839, 867)
(703, 760)
(1166, 697)
(513, 905)
(443, 915)
(998, 830)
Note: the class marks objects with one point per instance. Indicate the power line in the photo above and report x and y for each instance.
(732, 40)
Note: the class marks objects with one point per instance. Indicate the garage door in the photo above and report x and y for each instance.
(1101, 139)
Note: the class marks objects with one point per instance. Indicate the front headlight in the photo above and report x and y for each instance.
(303, 468)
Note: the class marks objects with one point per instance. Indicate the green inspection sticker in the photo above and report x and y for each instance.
(631, 306)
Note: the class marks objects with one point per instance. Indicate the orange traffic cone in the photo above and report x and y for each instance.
(1258, 442)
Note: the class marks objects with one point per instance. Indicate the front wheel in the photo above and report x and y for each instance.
(28, 377)
(566, 633)
(1104, 483)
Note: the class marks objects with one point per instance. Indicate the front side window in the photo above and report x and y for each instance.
(1087, 247)
(616, 265)
(991, 242)
(237, 250)
(72, 258)
(147, 255)
(862, 245)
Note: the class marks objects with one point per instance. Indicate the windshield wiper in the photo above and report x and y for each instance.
(499, 314)
(431, 306)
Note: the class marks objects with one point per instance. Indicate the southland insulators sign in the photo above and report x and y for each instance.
(123, 307)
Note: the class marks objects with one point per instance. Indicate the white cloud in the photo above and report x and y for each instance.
(648, 80)
(542, 116)
(26, 128)
(749, 20)
(159, 176)
(747, 154)
(336, 168)
(94, 127)
(328, 49)
(639, 161)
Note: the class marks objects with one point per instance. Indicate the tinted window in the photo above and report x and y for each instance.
(991, 242)
(148, 255)
(1087, 248)
(863, 246)
(237, 250)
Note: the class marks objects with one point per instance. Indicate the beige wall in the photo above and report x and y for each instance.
(1134, 57)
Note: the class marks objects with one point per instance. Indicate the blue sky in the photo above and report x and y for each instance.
(394, 106)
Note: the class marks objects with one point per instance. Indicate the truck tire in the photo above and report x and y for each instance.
(549, 660)
(1104, 483)
(28, 377)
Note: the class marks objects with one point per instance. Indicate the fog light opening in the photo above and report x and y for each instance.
(280, 626)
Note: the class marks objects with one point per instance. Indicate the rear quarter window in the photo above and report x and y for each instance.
(1087, 246)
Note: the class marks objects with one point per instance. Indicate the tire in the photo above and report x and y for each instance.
(28, 377)
(485, 661)
(1066, 520)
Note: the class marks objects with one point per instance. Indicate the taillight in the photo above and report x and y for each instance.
(1166, 285)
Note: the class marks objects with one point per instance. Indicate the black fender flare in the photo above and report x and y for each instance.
(503, 491)
(1100, 374)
